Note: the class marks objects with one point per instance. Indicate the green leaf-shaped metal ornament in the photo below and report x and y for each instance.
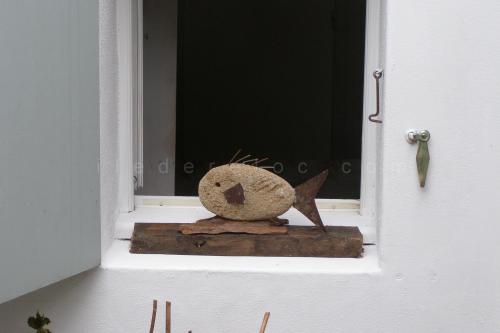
(423, 156)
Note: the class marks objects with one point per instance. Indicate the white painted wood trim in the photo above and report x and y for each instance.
(126, 104)
(139, 143)
(370, 147)
(148, 201)
(50, 221)
(369, 173)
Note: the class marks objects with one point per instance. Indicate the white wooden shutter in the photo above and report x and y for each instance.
(49, 142)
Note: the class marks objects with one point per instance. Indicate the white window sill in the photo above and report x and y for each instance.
(118, 257)
(189, 209)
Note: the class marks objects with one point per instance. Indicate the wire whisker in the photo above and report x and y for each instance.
(234, 156)
(261, 160)
(241, 159)
(251, 160)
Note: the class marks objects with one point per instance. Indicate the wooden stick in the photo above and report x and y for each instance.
(168, 317)
(264, 322)
(153, 317)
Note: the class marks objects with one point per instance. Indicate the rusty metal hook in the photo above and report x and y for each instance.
(377, 74)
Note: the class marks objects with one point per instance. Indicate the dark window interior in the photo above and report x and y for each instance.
(277, 78)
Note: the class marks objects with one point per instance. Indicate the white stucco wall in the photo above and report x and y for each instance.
(437, 247)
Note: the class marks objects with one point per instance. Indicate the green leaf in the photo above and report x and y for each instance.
(38, 322)
(32, 323)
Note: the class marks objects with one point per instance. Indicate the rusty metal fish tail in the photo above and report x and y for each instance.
(305, 194)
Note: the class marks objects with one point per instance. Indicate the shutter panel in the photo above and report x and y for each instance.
(49, 142)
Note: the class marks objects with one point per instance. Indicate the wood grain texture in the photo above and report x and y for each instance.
(166, 238)
(219, 225)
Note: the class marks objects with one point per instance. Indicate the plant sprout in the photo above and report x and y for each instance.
(38, 322)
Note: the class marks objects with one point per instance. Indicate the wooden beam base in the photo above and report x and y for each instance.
(299, 241)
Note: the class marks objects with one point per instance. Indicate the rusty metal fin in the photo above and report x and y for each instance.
(305, 194)
(235, 195)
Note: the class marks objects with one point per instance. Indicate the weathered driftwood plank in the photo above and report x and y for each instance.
(166, 238)
(217, 225)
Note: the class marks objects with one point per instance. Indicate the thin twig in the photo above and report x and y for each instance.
(264, 322)
(234, 156)
(168, 317)
(241, 159)
(153, 317)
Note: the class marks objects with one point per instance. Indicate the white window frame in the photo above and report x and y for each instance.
(362, 212)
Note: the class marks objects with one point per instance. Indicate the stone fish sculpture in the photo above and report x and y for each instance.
(243, 192)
